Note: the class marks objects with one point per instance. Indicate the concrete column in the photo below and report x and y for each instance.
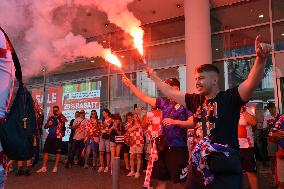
(197, 38)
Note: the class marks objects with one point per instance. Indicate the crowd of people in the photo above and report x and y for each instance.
(190, 140)
(106, 138)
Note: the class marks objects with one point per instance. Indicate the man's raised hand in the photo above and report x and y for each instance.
(126, 81)
(262, 49)
(149, 72)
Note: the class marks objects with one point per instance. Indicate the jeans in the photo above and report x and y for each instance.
(77, 146)
(36, 155)
(2, 178)
(93, 147)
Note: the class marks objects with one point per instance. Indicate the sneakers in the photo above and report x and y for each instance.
(137, 175)
(28, 172)
(101, 169)
(42, 170)
(94, 167)
(68, 165)
(106, 169)
(20, 172)
(35, 164)
(131, 174)
(54, 170)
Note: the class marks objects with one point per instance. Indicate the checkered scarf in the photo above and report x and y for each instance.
(278, 126)
(199, 156)
(153, 157)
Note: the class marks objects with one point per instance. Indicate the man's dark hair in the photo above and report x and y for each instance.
(56, 107)
(174, 82)
(129, 114)
(77, 112)
(207, 68)
(117, 117)
(270, 105)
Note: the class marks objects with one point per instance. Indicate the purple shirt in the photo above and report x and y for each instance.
(175, 136)
(278, 126)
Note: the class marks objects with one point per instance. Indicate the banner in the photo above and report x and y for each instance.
(71, 98)
(76, 97)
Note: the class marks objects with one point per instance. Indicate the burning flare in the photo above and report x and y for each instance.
(137, 34)
(111, 58)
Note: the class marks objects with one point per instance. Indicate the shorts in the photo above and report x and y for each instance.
(125, 149)
(112, 144)
(248, 160)
(52, 146)
(136, 150)
(172, 164)
(104, 145)
(93, 145)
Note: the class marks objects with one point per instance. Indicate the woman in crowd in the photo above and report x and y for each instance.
(127, 140)
(104, 144)
(136, 147)
(92, 138)
(116, 137)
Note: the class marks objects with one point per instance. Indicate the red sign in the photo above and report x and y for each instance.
(54, 97)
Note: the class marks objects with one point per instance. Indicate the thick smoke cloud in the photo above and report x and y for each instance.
(42, 30)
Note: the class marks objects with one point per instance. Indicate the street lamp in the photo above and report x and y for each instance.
(44, 104)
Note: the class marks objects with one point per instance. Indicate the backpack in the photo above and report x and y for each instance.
(17, 133)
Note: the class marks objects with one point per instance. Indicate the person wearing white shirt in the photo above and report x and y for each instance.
(245, 135)
(78, 140)
(270, 148)
(7, 75)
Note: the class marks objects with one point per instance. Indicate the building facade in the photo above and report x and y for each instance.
(233, 29)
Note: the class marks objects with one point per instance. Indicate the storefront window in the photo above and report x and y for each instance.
(239, 15)
(277, 9)
(238, 43)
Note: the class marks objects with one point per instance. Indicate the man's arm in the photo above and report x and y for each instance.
(142, 96)
(166, 89)
(48, 124)
(75, 125)
(247, 87)
(188, 124)
(133, 128)
(144, 122)
(251, 119)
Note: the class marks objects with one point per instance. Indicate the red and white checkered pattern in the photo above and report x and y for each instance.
(92, 129)
(137, 138)
(128, 125)
(80, 131)
(153, 157)
(153, 130)
(105, 125)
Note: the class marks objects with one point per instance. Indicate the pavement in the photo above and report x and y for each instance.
(80, 178)
(72, 178)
